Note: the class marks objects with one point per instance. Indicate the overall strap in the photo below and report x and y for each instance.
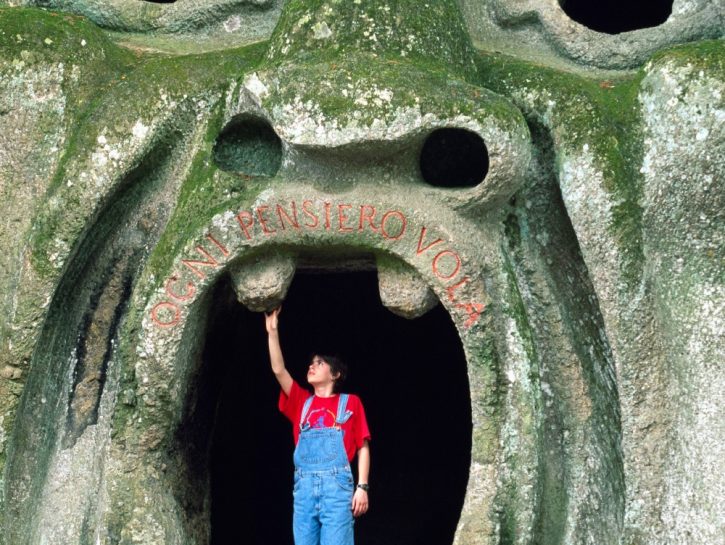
(306, 409)
(342, 414)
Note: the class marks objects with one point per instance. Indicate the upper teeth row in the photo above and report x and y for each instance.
(261, 284)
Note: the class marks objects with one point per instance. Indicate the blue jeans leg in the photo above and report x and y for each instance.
(306, 519)
(336, 509)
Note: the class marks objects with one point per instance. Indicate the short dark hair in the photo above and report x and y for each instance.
(336, 366)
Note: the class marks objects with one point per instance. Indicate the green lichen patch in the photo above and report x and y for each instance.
(187, 44)
(170, 89)
(175, 27)
(205, 192)
(430, 32)
(365, 97)
(58, 37)
(34, 37)
(704, 55)
(598, 116)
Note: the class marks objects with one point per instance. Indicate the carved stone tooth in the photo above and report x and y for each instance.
(261, 283)
(402, 290)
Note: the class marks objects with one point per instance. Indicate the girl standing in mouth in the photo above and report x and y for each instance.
(329, 429)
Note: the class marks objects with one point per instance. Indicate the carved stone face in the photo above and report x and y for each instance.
(554, 188)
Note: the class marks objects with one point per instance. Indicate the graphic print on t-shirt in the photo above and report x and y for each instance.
(321, 418)
(322, 413)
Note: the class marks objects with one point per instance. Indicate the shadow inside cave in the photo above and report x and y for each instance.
(410, 374)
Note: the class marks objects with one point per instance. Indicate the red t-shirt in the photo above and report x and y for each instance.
(322, 414)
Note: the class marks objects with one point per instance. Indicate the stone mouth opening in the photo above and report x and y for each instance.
(411, 375)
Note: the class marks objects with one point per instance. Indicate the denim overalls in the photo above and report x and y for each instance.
(323, 483)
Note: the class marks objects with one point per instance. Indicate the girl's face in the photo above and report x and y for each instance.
(319, 372)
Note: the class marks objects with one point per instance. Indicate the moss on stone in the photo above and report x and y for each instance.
(248, 145)
(131, 92)
(433, 33)
(484, 363)
(361, 89)
(517, 311)
(208, 191)
(205, 192)
(32, 38)
(590, 113)
(56, 37)
(603, 114)
(705, 55)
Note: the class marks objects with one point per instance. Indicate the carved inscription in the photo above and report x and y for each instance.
(270, 220)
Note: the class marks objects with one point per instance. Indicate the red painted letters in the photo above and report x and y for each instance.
(246, 220)
(176, 316)
(282, 213)
(263, 221)
(310, 214)
(436, 269)
(419, 250)
(192, 263)
(218, 244)
(342, 217)
(367, 216)
(190, 290)
(275, 219)
(403, 223)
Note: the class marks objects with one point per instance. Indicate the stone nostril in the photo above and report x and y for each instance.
(453, 158)
(248, 145)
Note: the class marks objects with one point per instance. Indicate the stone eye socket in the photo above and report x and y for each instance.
(615, 16)
(453, 158)
(248, 145)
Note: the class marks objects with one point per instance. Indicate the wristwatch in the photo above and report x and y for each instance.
(364, 486)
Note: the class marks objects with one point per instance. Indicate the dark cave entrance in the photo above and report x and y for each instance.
(411, 376)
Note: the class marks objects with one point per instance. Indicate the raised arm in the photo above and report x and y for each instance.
(275, 351)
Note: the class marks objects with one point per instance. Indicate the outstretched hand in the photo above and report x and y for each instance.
(271, 320)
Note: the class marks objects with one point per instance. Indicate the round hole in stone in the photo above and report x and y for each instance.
(248, 145)
(421, 432)
(615, 16)
(453, 158)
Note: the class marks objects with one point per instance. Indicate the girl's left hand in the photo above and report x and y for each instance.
(359, 502)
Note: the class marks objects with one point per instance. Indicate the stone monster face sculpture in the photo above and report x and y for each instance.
(557, 190)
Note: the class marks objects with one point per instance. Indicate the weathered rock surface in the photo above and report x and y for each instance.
(262, 284)
(403, 291)
(584, 272)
